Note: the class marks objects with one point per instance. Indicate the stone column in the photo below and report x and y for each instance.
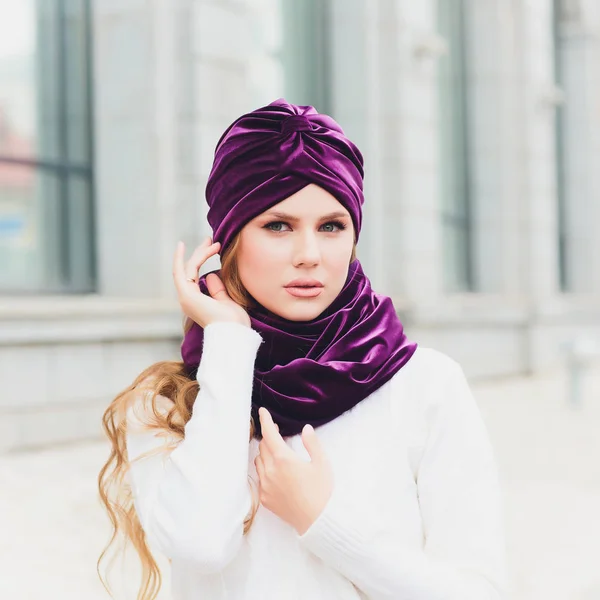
(134, 128)
(493, 129)
(539, 214)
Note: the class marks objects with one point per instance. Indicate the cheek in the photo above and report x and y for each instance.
(339, 262)
(338, 271)
(258, 266)
(257, 249)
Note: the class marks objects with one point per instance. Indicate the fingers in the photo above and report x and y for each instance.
(270, 432)
(183, 270)
(216, 288)
(312, 443)
(199, 256)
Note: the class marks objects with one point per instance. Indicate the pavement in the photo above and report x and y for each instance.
(52, 527)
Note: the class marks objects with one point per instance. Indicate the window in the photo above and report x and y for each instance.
(306, 53)
(46, 176)
(454, 179)
(561, 11)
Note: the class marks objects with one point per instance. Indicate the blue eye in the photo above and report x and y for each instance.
(333, 224)
(275, 226)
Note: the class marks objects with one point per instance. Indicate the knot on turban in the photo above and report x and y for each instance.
(296, 123)
(267, 155)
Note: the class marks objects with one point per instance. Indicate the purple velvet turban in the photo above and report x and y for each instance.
(273, 152)
(313, 371)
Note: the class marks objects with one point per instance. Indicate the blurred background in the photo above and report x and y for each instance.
(479, 121)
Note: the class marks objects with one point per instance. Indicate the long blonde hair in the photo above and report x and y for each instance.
(167, 379)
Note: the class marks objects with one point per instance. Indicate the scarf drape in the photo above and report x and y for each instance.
(313, 371)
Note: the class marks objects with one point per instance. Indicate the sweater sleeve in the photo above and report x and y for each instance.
(192, 500)
(463, 556)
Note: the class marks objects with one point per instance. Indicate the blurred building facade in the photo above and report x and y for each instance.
(479, 121)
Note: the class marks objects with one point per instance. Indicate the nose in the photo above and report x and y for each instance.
(307, 252)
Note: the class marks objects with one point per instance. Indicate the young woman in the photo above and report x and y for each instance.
(303, 447)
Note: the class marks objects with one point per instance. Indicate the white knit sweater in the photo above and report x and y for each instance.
(416, 513)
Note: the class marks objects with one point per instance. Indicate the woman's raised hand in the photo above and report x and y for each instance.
(201, 308)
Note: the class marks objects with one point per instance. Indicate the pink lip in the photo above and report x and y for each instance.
(304, 283)
(304, 292)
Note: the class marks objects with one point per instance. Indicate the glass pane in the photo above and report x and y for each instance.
(49, 81)
(46, 231)
(79, 235)
(18, 78)
(30, 225)
(44, 91)
(559, 48)
(455, 263)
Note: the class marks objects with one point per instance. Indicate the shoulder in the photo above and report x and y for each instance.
(431, 361)
(426, 370)
(424, 387)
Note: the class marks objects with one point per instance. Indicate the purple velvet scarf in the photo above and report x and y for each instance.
(313, 371)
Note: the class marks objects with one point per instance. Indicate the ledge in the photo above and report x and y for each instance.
(495, 310)
(468, 310)
(576, 309)
(91, 318)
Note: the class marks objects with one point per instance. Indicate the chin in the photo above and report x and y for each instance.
(299, 312)
(304, 315)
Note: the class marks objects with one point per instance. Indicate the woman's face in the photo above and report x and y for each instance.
(294, 258)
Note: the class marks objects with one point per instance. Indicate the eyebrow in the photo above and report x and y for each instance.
(292, 219)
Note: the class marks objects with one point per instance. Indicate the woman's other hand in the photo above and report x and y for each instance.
(293, 489)
(201, 308)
